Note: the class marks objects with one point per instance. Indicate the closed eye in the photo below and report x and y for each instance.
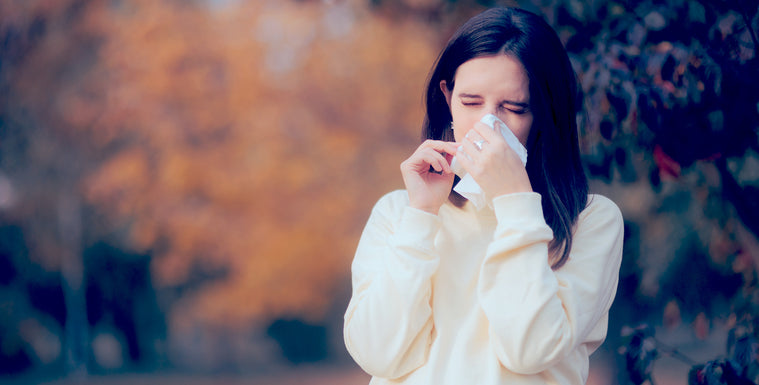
(517, 108)
(470, 99)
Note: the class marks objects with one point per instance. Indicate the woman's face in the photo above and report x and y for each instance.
(495, 85)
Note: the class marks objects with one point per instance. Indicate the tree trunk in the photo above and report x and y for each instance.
(72, 267)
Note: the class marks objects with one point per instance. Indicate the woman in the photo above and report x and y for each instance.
(515, 292)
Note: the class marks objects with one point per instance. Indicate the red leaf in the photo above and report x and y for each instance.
(667, 165)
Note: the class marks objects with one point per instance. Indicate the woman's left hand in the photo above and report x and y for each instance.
(485, 155)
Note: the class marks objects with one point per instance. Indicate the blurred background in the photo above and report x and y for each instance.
(183, 182)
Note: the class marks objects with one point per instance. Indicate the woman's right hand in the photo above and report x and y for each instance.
(428, 190)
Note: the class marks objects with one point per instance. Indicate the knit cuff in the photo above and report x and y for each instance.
(417, 229)
(518, 209)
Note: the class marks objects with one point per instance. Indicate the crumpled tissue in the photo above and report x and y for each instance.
(467, 187)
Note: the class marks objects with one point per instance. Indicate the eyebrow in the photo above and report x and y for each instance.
(511, 102)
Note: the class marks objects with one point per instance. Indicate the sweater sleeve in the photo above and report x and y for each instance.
(537, 316)
(388, 324)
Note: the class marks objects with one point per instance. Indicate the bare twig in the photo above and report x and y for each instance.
(674, 353)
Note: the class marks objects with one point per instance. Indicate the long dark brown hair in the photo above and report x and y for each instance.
(553, 166)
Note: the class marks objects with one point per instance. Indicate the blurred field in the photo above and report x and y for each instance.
(312, 375)
(603, 371)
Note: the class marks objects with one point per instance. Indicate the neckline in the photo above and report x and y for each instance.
(469, 208)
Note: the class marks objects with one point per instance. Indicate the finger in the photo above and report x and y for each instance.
(464, 158)
(449, 158)
(446, 149)
(439, 146)
(471, 150)
(496, 142)
(434, 159)
(475, 139)
(451, 148)
(490, 135)
(443, 147)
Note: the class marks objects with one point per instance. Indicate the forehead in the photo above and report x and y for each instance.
(488, 75)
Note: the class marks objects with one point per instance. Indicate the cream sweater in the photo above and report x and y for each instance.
(468, 297)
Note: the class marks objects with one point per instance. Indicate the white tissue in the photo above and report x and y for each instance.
(467, 187)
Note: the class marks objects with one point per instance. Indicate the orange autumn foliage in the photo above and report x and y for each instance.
(247, 137)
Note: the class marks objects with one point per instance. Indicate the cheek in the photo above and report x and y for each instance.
(462, 127)
(459, 132)
(462, 123)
